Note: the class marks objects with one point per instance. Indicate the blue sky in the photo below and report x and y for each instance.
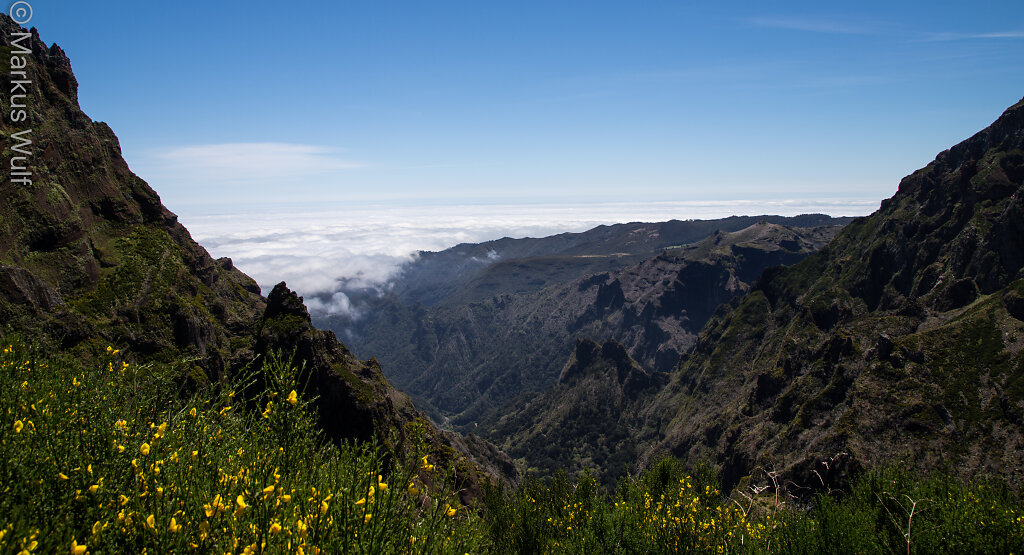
(519, 102)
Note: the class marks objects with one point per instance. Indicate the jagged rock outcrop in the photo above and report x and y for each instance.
(353, 398)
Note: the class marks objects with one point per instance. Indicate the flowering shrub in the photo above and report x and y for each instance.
(114, 458)
(110, 458)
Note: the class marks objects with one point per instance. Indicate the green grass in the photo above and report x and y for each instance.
(115, 458)
(110, 457)
(667, 510)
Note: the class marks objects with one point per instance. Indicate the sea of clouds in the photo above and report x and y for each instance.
(319, 249)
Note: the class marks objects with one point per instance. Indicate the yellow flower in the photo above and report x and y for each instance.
(286, 498)
(413, 490)
(62, 476)
(267, 491)
(174, 527)
(151, 522)
(241, 502)
(361, 501)
(367, 518)
(144, 449)
(323, 507)
(77, 549)
(97, 528)
(275, 528)
(94, 488)
(381, 485)
(449, 510)
(293, 398)
(412, 540)
(18, 425)
(192, 412)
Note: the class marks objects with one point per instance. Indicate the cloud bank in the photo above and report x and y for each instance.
(316, 250)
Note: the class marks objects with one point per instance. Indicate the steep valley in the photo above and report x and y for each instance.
(475, 356)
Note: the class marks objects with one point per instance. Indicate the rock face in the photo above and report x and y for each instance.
(89, 257)
(899, 342)
(588, 419)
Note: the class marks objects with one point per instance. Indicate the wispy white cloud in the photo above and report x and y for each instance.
(249, 161)
(815, 25)
(317, 250)
(335, 303)
(240, 171)
(938, 37)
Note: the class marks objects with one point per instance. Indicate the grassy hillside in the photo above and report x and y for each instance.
(114, 457)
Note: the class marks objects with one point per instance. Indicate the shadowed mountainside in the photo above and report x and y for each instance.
(899, 341)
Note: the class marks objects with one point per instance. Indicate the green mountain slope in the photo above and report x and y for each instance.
(89, 257)
(899, 341)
